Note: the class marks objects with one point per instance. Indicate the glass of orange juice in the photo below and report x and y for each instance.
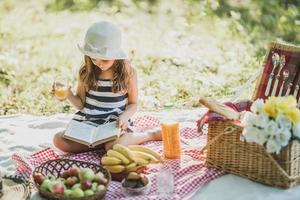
(171, 139)
(61, 88)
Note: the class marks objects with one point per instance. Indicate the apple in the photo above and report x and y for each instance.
(62, 180)
(86, 174)
(100, 189)
(67, 192)
(51, 177)
(46, 185)
(77, 185)
(74, 171)
(86, 184)
(38, 178)
(101, 180)
(99, 175)
(77, 192)
(65, 174)
(71, 181)
(58, 188)
(88, 192)
(94, 186)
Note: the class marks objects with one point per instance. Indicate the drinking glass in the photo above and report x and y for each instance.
(61, 88)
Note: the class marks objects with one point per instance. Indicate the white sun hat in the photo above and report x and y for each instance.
(103, 40)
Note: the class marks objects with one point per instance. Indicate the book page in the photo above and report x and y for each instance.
(105, 132)
(79, 131)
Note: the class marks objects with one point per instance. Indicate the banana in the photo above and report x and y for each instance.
(145, 156)
(110, 161)
(115, 168)
(131, 167)
(124, 150)
(115, 154)
(141, 161)
(146, 150)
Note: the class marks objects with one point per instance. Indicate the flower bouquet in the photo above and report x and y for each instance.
(273, 123)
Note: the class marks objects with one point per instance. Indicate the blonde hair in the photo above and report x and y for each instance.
(89, 73)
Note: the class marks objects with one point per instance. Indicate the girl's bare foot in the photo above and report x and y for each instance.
(155, 134)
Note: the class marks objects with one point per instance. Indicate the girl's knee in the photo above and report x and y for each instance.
(58, 141)
(109, 145)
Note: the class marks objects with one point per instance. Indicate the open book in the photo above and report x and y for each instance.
(91, 134)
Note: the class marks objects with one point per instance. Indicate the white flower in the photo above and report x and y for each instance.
(257, 106)
(283, 136)
(283, 121)
(250, 133)
(262, 120)
(272, 127)
(296, 130)
(261, 136)
(273, 146)
(249, 119)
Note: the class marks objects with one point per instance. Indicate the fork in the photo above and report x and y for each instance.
(285, 74)
(275, 59)
(281, 66)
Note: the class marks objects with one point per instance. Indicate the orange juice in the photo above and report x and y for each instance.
(171, 139)
(61, 92)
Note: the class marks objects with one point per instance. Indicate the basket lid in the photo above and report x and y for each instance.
(288, 59)
(14, 188)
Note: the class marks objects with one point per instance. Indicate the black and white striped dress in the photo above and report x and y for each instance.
(102, 105)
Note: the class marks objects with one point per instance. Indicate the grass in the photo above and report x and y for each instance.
(180, 50)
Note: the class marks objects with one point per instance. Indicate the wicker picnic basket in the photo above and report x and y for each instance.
(227, 150)
(57, 166)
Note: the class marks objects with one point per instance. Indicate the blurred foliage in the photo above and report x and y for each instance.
(86, 5)
(181, 48)
(264, 19)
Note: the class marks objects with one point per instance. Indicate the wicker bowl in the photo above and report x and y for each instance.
(58, 166)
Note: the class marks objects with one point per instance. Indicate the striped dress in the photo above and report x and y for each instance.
(102, 105)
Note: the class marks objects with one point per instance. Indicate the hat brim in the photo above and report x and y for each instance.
(117, 56)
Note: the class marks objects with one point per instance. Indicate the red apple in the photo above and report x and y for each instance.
(74, 171)
(86, 184)
(38, 178)
(101, 180)
(58, 188)
(71, 181)
(65, 174)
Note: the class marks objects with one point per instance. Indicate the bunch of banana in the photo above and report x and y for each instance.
(128, 159)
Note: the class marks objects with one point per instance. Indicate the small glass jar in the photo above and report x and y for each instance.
(165, 182)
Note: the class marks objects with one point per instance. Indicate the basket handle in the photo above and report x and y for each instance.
(231, 129)
(227, 130)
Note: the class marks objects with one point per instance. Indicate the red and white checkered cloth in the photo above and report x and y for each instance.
(190, 172)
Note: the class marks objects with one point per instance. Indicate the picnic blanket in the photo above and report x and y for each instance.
(190, 172)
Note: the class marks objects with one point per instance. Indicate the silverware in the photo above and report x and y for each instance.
(296, 91)
(275, 59)
(285, 74)
(281, 66)
(288, 89)
(298, 104)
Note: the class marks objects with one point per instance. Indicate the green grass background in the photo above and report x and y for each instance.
(181, 48)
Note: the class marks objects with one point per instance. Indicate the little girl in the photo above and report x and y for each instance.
(107, 89)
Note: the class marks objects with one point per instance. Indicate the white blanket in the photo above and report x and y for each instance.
(27, 134)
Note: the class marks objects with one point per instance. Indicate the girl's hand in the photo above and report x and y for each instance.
(122, 122)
